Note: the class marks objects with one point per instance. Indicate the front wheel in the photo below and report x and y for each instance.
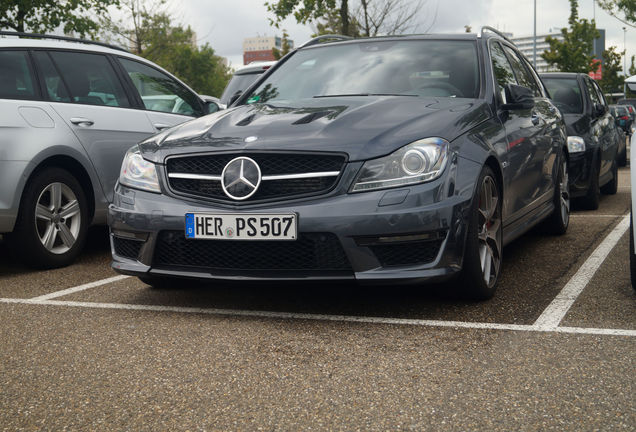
(484, 242)
(611, 187)
(593, 196)
(557, 223)
(53, 220)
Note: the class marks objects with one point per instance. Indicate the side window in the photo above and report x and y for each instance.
(15, 76)
(591, 90)
(56, 90)
(600, 93)
(524, 78)
(159, 92)
(90, 79)
(502, 70)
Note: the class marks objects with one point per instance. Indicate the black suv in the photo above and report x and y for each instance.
(595, 147)
(393, 159)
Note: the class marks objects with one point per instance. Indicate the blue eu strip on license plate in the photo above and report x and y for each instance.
(189, 225)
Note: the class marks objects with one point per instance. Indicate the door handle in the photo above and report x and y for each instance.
(160, 126)
(81, 121)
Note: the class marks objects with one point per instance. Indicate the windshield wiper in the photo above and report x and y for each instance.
(365, 94)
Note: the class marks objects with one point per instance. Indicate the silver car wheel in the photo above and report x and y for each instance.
(57, 218)
(489, 231)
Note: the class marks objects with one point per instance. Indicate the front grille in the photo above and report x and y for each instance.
(271, 164)
(127, 248)
(411, 253)
(311, 251)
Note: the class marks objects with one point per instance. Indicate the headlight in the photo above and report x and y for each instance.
(418, 162)
(576, 144)
(138, 173)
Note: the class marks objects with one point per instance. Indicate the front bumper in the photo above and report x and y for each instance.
(370, 227)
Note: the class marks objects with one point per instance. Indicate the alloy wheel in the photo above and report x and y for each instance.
(57, 218)
(489, 231)
(564, 187)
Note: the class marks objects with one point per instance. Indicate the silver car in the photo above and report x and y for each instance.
(69, 111)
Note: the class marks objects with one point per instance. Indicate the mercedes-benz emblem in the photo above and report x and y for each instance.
(240, 178)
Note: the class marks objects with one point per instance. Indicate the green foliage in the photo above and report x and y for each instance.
(149, 30)
(623, 10)
(611, 82)
(331, 23)
(285, 48)
(573, 53)
(41, 16)
(632, 68)
(306, 11)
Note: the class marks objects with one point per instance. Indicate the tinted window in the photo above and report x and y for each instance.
(238, 82)
(90, 79)
(524, 78)
(56, 90)
(565, 93)
(592, 91)
(502, 70)
(159, 92)
(15, 76)
(417, 67)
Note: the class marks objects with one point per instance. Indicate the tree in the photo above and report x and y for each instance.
(306, 11)
(331, 23)
(611, 81)
(622, 10)
(573, 53)
(387, 16)
(149, 30)
(41, 16)
(285, 47)
(632, 68)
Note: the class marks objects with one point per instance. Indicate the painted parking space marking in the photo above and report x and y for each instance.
(79, 288)
(331, 318)
(556, 311)
(548, 321)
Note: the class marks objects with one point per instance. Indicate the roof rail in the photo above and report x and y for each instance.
(62, 38)
(494, 30)
(322, 38)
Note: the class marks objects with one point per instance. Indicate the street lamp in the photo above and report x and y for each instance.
(624, 64)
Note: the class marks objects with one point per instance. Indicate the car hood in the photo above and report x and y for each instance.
(364, 127)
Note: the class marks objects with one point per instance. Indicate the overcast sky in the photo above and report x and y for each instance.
(224, 24)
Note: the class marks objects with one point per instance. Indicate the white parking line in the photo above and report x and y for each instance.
(556, 311)
(331, 318)
(79, 288)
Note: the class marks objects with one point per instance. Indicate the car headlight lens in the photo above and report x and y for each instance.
(138, 173)
(421, 161)
(576, 144)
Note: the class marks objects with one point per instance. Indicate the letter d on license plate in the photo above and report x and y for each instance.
(241, 226)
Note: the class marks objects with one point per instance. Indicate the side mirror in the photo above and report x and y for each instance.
(599, 109)
(211, 104)
(234, 97)
(518, 97)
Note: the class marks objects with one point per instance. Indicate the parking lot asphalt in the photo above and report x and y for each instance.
(118, 355)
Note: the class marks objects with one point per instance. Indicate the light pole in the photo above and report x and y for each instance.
(624, 63)
(534, 39)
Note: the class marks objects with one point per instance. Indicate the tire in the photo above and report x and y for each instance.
(557, 223)
(632, 255)
(611, 187)
(484, 240)
(52, 221)
(622, 158)
(591, 199)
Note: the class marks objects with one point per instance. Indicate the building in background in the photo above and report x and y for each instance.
(260, 48)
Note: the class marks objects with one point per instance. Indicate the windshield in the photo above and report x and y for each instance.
(439, 68)
(238, 82)
(566, 94)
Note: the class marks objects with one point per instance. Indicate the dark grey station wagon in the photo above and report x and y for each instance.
(395, 159)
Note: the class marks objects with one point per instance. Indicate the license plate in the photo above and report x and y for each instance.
(241, 226)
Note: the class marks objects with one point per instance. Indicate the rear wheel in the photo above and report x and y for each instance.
(484, 245)
(53, 220)
(611, 187)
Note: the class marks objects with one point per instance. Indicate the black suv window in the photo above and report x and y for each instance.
(566, 94)
(502, 70)
(90, 79)
(592, 91)
(15, 76)
(524, 78)
(159, 92)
